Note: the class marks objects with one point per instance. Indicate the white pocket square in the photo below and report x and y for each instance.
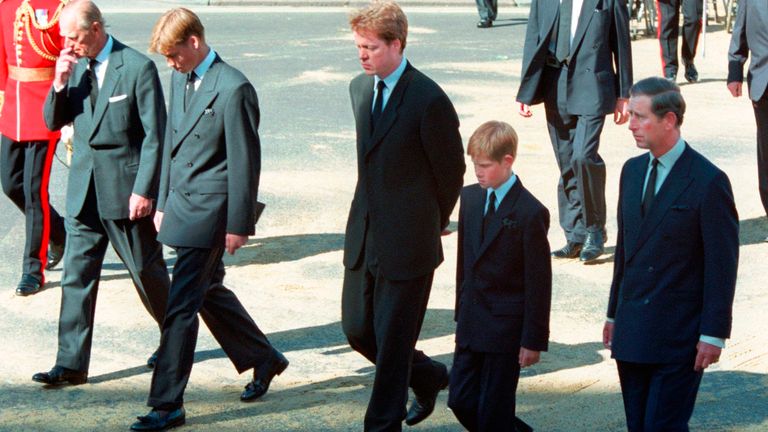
(117, 98)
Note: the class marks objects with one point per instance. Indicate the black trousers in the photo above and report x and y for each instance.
(761, 117)
(26, 169)
(381, 319)
(669, 28)
(482, 391)
(88, 236)
(575, 141)
(488, 9)
(197, 286)
(658, 397)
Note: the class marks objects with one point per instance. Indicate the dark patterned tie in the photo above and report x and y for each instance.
(378, 105)
(650, 188)
(94, 82)
(564, 31)
(489, 212)
(189, 91)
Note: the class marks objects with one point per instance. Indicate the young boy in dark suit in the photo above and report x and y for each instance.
(504, 285)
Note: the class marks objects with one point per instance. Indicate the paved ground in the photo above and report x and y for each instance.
(289, 275)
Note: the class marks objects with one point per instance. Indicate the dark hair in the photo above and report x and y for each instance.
(665, 96)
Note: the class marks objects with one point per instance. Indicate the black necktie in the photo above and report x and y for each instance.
(190, 89)
(650, 188)
(489, 212)
(564, 31)
(378, 105)
(94, 94)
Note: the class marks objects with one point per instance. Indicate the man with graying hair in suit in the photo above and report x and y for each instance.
(677, 254)
(207, 204)
(750, 39)
(112, 94)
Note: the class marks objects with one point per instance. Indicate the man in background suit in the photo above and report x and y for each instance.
(29, 45)
(488, 10)
(207, 204)
(668, 31)
(677, 253)
(570, 51)
(750, 38)
(112, 94)
(410, 171)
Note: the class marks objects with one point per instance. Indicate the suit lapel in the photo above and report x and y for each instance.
(632, 200)
(585, 16)
(389, 115)
(204, 95)
(475, 218)
(676, 182)
(111, 78)
(363, 116)
(551, 13)
(504, 211)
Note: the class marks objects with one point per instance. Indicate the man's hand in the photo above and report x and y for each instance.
(234, 242)
(158, 220)
(735, 88)
(64, 65)
(528, 357)
(621, 113)
(525, 110)
(707, 354)
(138, 207)
(607, 335)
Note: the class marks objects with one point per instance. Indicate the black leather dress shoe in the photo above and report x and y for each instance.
(55, 254)
(670, 77)
(61, 375)
(423, 404)
(160, 420)
(570, 250)
(594, 246)
(152, 360)
(259, 385)
(485, 24)
(691, 74)
(28, 285)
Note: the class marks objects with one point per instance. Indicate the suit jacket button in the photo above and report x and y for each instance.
(175, 131)
(650, 269)
(189, 164)
(186, 193)
(197, 136)
(171, 190)
(646, 301)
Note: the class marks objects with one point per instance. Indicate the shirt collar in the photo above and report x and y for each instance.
(204, 65)
(391, 80)
(502, 190)
(668, 159)
(103, 55)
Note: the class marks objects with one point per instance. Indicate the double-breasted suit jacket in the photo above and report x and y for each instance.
(212, 160)
(675, 269)
(503, 279)
(401, 202)
(600, 60)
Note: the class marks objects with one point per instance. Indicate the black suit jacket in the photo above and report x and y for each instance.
(504, 280)
(674, 270)
(410, 172)
(211, 161)
(600, 64)
(750, 38)
(119, 140)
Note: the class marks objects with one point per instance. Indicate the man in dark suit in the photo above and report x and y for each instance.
(112, 94)
(570, 51)
(669, 29)
(504, 286)
(410, 171)
(207, 204)
(750, 38)
(488, 10)
(677, 253)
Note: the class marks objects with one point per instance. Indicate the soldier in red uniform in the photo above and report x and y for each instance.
(29, 45)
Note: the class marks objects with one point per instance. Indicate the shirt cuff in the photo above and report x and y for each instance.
(610, 320)
(716, 341)
(58, 89)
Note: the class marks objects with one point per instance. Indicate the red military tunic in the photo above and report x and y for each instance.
(29, 45)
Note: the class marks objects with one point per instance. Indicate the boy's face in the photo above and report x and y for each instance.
(492, 173)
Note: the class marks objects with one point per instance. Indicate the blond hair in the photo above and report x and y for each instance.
(493, 139)
(385, 19)
(174, 28)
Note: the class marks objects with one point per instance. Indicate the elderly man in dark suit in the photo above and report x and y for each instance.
(577, 60)
(410, 171)
(677, 253)
(750, 39)
(112, 94)
(207, 204)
